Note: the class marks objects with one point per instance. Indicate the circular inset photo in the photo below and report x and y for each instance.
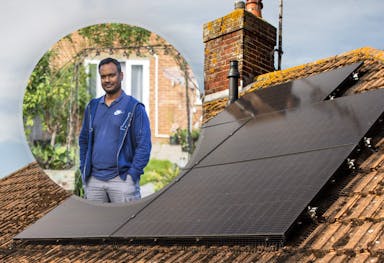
(70, 75)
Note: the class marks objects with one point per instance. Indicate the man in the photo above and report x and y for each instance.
(115, 141)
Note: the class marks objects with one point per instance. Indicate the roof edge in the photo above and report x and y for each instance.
(25, 167)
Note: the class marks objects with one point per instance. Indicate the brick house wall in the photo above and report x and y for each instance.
(167, 93)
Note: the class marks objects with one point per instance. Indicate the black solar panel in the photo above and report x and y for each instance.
(260, 197)
(317, 126)
(260, 191)
(77, 218)
(212, 136)
(293, 94)
(251, 177)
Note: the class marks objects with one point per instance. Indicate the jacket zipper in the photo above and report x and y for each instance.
(90, 129)
(122, 142)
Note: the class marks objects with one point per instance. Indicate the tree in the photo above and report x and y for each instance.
(48, 99)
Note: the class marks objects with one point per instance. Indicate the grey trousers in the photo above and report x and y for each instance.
(113, 191)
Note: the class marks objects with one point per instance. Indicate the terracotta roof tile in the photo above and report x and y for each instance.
(25, 196)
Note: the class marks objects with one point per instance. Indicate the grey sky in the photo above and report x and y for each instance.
(312, 30)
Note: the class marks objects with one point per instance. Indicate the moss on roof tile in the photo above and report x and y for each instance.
(369, 55)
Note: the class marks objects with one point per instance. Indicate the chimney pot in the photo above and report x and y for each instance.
(239, 4)
(254, 6)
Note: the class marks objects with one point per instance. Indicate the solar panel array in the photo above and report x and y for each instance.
(297, 93)
(257, 167)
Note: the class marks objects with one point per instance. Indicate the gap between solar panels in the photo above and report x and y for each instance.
(256, 193)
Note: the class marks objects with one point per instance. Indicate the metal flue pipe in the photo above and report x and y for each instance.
(233, 76)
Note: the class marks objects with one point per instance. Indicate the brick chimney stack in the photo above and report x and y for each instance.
(240, 36)
(254, 6)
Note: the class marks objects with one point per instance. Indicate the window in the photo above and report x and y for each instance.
(135, 81)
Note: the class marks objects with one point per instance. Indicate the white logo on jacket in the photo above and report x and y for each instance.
(118, 112)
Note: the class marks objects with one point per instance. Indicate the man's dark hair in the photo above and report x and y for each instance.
(110, 60)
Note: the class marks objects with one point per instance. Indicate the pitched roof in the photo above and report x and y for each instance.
(25, 196)
(352, 228)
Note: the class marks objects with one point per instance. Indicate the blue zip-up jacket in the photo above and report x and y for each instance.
(134, 141)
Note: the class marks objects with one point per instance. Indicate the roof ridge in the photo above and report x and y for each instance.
(284, 75)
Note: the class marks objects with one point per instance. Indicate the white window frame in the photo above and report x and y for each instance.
(127, 71)
(128, 74)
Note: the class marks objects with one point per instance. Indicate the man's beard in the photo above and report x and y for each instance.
(113, 91)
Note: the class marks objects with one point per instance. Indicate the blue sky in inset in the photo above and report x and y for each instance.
(311, 30)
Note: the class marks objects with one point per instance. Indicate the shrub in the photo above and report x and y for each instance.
(180, 137)
(159, 172)
(53, 157)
